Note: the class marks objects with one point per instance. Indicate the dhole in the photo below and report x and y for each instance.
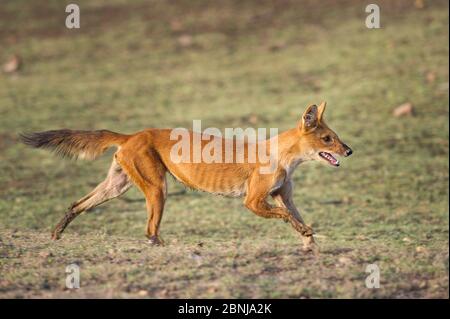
(143, 159)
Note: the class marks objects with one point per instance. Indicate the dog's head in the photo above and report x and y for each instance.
(319, 141)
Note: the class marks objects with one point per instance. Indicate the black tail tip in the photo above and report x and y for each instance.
(33, 139)
(27, 138)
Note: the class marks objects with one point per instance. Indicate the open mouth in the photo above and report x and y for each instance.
(329, 158)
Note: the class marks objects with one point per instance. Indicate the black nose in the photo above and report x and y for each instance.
(348, 150)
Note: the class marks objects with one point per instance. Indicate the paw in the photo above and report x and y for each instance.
(56, 235)
(310, 246)
(155, 241)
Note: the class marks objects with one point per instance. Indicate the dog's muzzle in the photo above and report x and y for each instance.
(348, 150)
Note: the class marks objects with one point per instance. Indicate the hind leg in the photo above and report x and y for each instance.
(149, 175)
(115, 184)
(155, 205)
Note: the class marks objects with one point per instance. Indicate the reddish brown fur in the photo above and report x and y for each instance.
(144, 159)
(74, 144)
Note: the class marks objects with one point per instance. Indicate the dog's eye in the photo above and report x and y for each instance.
(326, 139)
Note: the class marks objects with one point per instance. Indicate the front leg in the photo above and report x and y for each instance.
(259, 188)
(283, 197)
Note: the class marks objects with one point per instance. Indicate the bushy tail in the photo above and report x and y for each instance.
(75, 144)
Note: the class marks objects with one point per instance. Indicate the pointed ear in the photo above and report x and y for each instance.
(310, 118)
(322, 108)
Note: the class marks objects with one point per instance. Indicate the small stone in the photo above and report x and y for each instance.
(405, 109)
(13, 64)
(176, 26)
(421, 249)
(253, 119)
(143, 293)
(212, 290)
(45, 254)
(185, 40)
(423, 284)
(419, 4)
(430, 77)
(345, 260)
(196, 257)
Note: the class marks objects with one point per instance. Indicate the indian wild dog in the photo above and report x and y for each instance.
(143, 159)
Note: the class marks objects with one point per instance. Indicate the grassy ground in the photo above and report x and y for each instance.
(229, 63)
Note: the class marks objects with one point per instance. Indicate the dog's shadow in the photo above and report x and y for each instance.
(336, 251)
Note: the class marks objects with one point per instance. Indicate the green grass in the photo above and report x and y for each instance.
(126, 70)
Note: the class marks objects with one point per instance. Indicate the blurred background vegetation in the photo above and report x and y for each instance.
(138, 64)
